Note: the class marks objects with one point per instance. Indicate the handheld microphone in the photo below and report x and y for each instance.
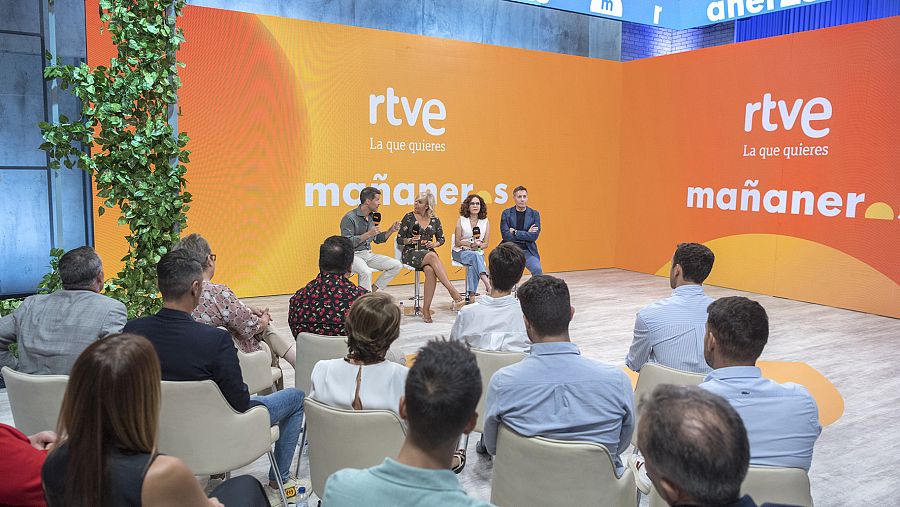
(476, 232)
(376, 218)
(417, 230)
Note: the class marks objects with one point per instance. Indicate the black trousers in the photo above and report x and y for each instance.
(241, 491)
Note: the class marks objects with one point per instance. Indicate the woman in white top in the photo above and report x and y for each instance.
(467, 249)
(364, 380)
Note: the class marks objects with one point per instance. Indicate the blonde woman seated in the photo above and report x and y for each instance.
(220, 307)
(469, 249)
(420, 233)
(364, 380)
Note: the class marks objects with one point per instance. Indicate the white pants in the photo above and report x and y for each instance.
(365, 263)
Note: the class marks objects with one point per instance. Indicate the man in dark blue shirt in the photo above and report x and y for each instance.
(189, 350)
(521, 225)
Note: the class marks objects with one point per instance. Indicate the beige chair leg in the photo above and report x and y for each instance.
(278, 479)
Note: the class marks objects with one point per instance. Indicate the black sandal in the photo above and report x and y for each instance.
(461, 454)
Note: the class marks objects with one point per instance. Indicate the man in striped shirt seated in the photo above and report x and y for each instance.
(670, 331)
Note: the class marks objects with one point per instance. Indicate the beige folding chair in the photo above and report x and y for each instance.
(257, 370)
(539, 471)
(341, 439)
(788, 486)
(652, 375)
(312, 348)
(35, 400)
(489, 361)
(197, 425)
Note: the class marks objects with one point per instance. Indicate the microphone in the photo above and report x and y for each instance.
(376, 218)
(476, 232)
(416, 231)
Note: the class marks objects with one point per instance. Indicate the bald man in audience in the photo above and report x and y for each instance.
(782, 420)
(555, 392)
(442, 390)
(696, 448)
(670, 331)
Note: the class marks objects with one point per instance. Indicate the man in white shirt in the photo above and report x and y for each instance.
(495, 322)
(670, 331)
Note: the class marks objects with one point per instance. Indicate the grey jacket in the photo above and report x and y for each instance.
(53, 329)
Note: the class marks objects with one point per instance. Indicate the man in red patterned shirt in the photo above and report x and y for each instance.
(322, 305)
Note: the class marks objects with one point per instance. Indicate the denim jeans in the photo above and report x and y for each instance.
(286, 410)
(532, 264)
(474, 263)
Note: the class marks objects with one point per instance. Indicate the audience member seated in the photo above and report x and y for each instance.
(322, 305)
(442, 391)
(20, 468)
(52, 329)
(495, 322)
(695, 447)
(189, 350)
(670, 331)
(364, 380)
(220, 307)
(108, 425)
(555, 392)
(782, 420)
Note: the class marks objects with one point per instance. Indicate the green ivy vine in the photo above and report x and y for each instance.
(137, 160)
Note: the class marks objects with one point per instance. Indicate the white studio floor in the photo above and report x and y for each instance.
(856, 459)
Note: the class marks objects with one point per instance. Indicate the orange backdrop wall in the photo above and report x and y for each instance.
(619, 158)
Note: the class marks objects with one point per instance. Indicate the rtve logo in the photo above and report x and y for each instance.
(788, 117)
(433, 110)
(730, 9)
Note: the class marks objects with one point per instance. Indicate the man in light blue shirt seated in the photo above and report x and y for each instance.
(555, 392)
(442, 390)
(670, 331)
(782, 420)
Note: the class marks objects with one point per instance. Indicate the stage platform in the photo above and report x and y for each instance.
(857, 457)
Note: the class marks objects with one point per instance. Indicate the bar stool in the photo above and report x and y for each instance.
(417, 295)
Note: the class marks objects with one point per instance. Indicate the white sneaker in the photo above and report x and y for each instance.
(291, 486)
(641, 479)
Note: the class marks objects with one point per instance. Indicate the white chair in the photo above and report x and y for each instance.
(341, 439)
(197, 425)
(417, 295)
(460, 265)
(35, 400)
(489, 361)
(652, 375)
(539, 471)
(312, 348)
(788, 486)
(257, 370)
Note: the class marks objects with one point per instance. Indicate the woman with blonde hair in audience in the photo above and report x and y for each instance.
(220, 307)
(420, 233)
(108, 433)
(364, 379)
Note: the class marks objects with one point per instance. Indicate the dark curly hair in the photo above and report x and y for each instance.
(464, 207)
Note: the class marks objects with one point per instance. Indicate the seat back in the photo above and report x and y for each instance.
(489, 362)
(539, 471)
(198, 425)
(35, 400)
(652, 375)
(340, 438)
(256, 369)
(788, 486)
(312, 348)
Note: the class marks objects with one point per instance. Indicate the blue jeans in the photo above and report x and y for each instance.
(474, 263)
(532, 263)
(286, 410)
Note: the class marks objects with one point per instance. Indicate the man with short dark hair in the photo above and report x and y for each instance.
(555, 392)
(359, 226)
(495, 322)
(53, 329)
(782, 420)
(189, 351)
(521, 226)
(442, 390)
(670, 331)
(695, 446)
(322, 305)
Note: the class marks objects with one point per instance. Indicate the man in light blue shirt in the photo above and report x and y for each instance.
(670, 331)
(555, 392)
(782, 420)
(442, 390)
